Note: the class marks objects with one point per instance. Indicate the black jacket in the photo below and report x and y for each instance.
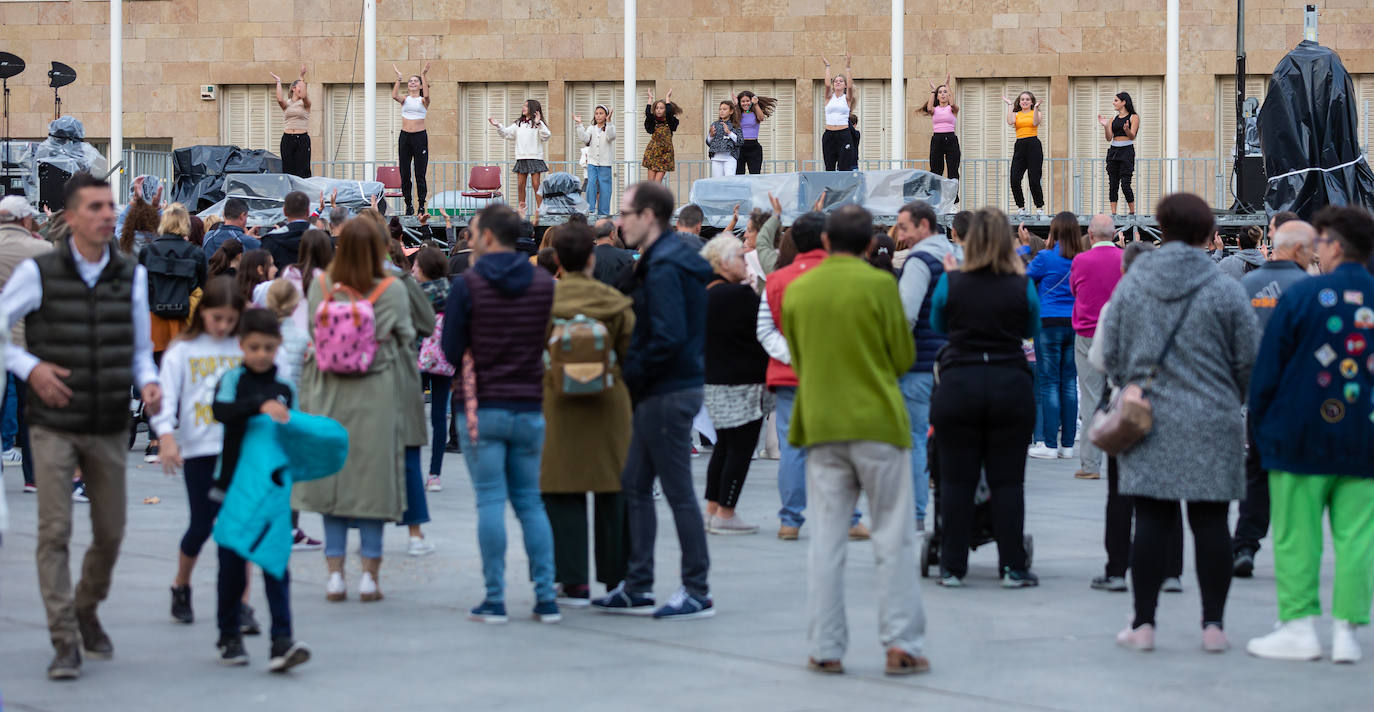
(285, 243)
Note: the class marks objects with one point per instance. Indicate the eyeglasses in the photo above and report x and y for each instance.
(627, 213)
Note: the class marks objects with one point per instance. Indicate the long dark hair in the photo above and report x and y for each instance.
(535, 108)
(766, 104)
(142, 217)
(223, 259)
(735, 113)
(669, 109)
(881, 256)
(315, 253)
(253, 271)
(218, 292)
(1130, 105)
(1017, 105)
(1067, 235)
(935, 101)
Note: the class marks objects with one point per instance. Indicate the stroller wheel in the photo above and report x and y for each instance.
(1029, 543)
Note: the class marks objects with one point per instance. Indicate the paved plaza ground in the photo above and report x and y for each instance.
(1049, 648)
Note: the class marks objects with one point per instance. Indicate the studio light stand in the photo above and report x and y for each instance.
(10, 65)
(59, 76)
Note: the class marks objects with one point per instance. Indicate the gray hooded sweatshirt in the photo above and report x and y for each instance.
(1239, 264)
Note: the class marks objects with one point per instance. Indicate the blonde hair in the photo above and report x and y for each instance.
(720, 249)
(989, 245)
(212, 222)
(175, 221)
(282, 298)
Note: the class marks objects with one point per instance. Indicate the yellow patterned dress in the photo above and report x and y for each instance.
(658, 155)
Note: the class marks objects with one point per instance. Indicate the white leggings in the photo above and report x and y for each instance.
(722, 166)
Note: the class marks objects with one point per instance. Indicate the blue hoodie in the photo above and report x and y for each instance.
(667, 349)
(1050, 270)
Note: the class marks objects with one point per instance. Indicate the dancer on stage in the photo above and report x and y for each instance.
(530, 133)
(295, 137)
(839, 102)
(600, 157)
(1028, 154)
(751, 111)
(944, 143)
(660, 122)
(723, 141)
(1121, 131)
(413, 143)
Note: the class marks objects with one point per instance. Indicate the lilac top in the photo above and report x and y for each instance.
(749, 126)
(942, 119)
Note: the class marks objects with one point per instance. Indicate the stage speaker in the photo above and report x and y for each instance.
(1251, 183)
(51, 182)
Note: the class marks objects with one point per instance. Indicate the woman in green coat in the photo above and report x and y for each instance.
(586, 438)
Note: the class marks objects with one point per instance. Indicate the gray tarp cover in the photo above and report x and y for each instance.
(1310, 135)
(66, 148)
(882, 193)
(266, 192)
(562, 194)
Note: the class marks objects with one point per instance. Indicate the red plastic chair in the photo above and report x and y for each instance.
(390, 178)
(484, 182)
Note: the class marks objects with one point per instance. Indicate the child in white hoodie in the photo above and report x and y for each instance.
(188, 433)
(530, 133)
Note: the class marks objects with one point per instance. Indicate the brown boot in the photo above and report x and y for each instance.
(369, 588)
(335, 590)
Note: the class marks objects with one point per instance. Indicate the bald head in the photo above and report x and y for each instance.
(1293, 240)
(1102, 228)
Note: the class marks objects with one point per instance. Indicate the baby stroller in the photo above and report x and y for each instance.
(982, 516)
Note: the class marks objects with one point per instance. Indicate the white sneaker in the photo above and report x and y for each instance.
(79, 494)
(1040, 452)
(1022, 212)
(1344, 647)
(1294, 640)
(419, 546)
(13, 455)
(1039, 212)
(1067, 453)
(367, 586)
(334, 589)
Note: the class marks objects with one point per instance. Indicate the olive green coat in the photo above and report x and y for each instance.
(371, 484)
(586, 438)
(409, 393)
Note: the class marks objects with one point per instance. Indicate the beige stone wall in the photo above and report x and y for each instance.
(171, 47)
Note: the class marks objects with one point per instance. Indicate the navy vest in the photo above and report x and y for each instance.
(508, 338)
(928, 343)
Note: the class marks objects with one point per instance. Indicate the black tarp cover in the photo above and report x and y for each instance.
(199, 172)
(1310, 135)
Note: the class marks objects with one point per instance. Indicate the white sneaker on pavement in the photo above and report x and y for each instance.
(420, 546)
(1067, 453)
(1344, 647)
(1294, 640)
(1040, 452)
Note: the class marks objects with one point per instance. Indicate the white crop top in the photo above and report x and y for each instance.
(837, 111)
(413, 108)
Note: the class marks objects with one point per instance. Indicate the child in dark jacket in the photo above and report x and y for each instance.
(243, 392)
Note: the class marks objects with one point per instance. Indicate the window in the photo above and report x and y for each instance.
(1092, 97)
(777, 134)
(344, 134)
(1364, 108)
(1256, 85)
(250, 118)
(477, 140)
(873, 106)
(582, 98)
(986, 141)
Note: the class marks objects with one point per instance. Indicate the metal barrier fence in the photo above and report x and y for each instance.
(137, 163)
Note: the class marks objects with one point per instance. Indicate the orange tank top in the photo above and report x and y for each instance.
(1025, 124)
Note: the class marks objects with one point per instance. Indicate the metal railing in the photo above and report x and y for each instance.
(138, 163)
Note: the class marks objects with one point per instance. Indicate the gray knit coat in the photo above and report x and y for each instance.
(1196, 450)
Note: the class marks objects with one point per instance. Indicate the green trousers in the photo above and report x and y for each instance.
(1297, 505)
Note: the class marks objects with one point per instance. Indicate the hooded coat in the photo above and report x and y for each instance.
(668, 348)
(586, 439)
(1196, 450)
(1242, 262)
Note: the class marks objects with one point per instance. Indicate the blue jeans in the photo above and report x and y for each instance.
(599, 189)
(417, 507)
(336, 536)
(792, 464)
(1057, 383)
(916, 389)
(659, 450)
(439, 395)
(504, 464)
(9, 425)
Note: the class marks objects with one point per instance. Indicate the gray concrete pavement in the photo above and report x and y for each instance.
(1048, 648)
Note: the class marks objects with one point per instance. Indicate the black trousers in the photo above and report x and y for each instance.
(568, 519)
(1116, 535)
(729, 463)
(21, 436)
(295, 155)
(233, 579)
(413, 146)
(1027, 156)
(1155, 522)
(1253, 523)
(835, 145)
(750, 158)
(944, 149)
(983, 417)
(1120, 168)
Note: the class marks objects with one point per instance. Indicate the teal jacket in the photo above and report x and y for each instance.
(255, 519)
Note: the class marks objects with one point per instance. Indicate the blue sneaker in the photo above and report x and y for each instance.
(489, 612)
(620, 601)
(684, 606)
(547, 612)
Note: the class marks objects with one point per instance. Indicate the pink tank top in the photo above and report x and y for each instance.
(943, 119)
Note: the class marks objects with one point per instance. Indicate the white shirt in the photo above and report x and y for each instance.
(837, 111)
(23, 295)
(190, 373)
(529, 139)
(413, 107)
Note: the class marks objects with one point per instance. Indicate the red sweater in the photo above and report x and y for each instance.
(779, 373)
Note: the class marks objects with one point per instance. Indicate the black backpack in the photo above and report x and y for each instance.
(171, 279)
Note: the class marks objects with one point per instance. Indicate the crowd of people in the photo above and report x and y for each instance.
(885, 363)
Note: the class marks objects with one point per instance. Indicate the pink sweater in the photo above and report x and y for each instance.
(1092, 278)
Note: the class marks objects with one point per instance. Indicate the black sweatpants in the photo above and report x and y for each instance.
(835, 144)
(1155, 521)
(568, 519)
(413, 146)
(200, 477)
(1253, 523)
(750, 157)
(944, 149)
(233, 579)
(983, 417)
(1120, 168)
(1117, 533)
(1028, 155)
(729, 463)
(295, 155)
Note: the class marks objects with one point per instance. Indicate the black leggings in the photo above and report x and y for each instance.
(1120, 168)
(750, 157)
(568, 520)
(729, 463)
(295, 155)
(413, 146)
(1117, 533)
(983, 417)
(1028, 155)
(944, 148)
(835, 143)
(200, 477)
(1155, 522)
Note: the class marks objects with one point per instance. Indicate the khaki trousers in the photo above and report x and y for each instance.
(57, 454)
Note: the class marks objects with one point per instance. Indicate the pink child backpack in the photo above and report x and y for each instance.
(346, 329)
(432, 358)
